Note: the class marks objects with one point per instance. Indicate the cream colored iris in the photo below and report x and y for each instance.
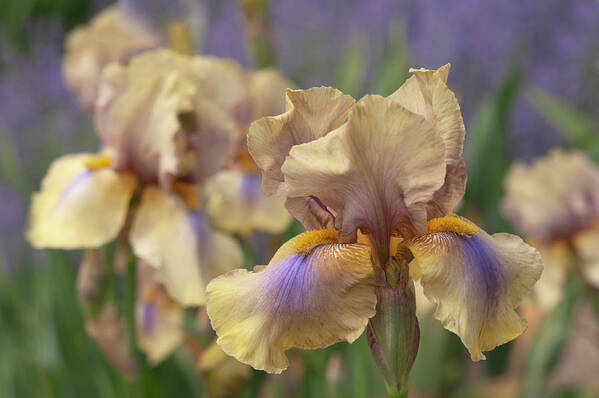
(390, 168)
(555, 203)
(111, 36)
(167, 126)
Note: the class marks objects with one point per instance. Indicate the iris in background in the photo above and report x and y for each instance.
(526, 76)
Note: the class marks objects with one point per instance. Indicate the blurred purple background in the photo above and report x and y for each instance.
(556, 41)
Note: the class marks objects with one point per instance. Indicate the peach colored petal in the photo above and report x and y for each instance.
(236, 204)
(376, 172)
(312, 294)
(475, 280)
(180, 245)
(554, 197)
(111, 36)
(310, 114)
(426, 93)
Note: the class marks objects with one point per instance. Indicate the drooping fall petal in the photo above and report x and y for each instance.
(376, 172)
(310, 114)
(178, 242)
(159, 319)
(475, 280)
(313, 293)
(79, 207)
(236, 204)
(426, 93)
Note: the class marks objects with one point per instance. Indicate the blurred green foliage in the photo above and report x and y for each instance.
(14, 15)
(45, 350)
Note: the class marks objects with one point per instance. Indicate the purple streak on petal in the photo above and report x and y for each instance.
(148, 317)
(71, 188)
(483, 264)
(251, 186)
(321, 205)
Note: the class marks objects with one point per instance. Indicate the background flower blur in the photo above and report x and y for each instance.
(526, 75)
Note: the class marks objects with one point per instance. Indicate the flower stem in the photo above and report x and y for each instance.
(393, 333)
(257, 21)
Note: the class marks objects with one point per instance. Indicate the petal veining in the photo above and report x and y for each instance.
(475, 280)
(312, 294)
(376, 172)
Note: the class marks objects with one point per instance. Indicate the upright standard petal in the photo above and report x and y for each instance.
(313, 293)
(79, 206)
(426, 94)
(310, 114)
(112, 36)
(475, 280)
(555, 197)
(162, 118)
(377, 172)
(236, 204)
(179, 244)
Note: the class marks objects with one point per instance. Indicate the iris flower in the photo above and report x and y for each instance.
(370, 180)
(111, 36)
(167, 123)
(235, 200)
(554, 202)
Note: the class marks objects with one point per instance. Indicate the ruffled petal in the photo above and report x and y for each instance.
(314, 292)
(111, 36)
(236, 204)
(377, 172)
(78, 207)
(555, 197)
(268, 88)
(163, 118)
(426, 93)
(179, 243)
(310, 114)
(476, 280)
(159, 319)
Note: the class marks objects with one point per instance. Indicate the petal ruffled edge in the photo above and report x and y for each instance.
(310, 114)
(312, 294)
(475, 280)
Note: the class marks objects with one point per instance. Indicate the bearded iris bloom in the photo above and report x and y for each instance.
(235, 201)
(167, 122)
(554, 202)
(375, 183)
(111, 36)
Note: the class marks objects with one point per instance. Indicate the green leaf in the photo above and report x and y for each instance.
(577, 128)
(394, 63)
(549, 341)
(351, 70)
(487, 145)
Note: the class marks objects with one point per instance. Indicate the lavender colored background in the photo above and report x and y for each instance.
(557, 42)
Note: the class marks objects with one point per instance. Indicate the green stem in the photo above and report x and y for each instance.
(257, 22)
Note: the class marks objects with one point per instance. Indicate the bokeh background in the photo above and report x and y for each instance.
(526, 75)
